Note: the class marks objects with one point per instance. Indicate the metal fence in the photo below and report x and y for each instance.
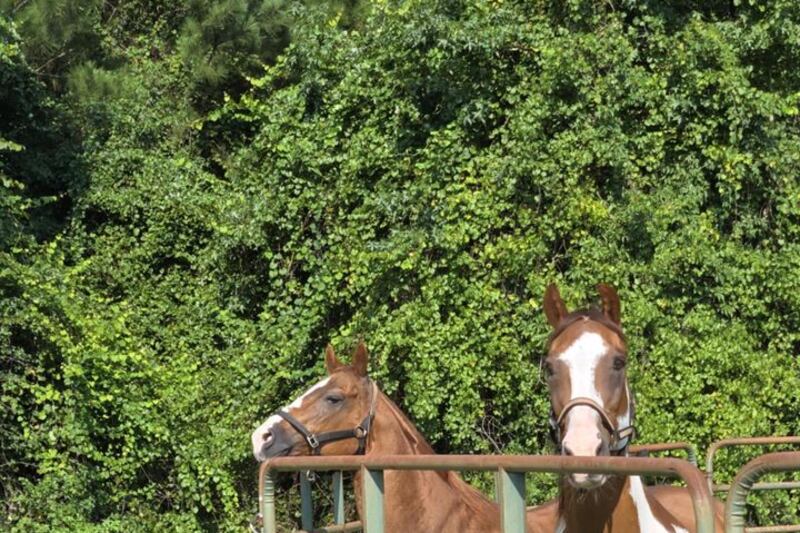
(645, 450)
(716, 446)
(733, 489)
(510, 470)
(745, 481)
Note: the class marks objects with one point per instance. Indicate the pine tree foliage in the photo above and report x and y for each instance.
(232, 38)
(58, 33)
(220, 43)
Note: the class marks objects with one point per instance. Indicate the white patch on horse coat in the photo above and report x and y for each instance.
(648, 521)
(582, 356)
(624, 420)
(561, 527)
(298, 402)
(257, 438)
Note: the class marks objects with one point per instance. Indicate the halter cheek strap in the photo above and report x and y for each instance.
(360, 432)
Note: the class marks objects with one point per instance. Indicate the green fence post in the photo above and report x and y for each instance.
(268, 505)
(511, 490)
(338, 498)
(691, 454)
(736, 503)
(373, 500)
(306, 503)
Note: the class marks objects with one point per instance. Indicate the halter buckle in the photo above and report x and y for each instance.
(312, 441)
(254, 526)
(359, 432)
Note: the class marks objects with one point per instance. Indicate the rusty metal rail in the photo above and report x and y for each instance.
(772, 529)
(511, 480)
(747, 441)
(644, 450)
(349, 527)
(735, 511)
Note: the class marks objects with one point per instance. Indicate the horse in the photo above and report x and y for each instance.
(592, 414)
(374, 425)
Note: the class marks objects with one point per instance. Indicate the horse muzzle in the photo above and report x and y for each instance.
(273, 442)
(586, 481)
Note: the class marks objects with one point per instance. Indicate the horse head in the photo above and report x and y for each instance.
(333, 417)
(592, 408)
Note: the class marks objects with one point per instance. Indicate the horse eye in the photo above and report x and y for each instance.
(619, 363)
(548, 370)
(333, 400)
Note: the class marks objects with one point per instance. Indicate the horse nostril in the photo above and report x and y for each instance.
(599, 449)
(267, 436)
(567, 451)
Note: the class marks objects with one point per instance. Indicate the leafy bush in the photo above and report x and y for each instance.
(416, 179)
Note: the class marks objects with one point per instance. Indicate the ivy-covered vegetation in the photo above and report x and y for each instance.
(197, 196)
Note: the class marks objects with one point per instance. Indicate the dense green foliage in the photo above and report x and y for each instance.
(172, 260)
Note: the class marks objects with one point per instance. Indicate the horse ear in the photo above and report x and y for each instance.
(610, 300)
(361, 359)
(554, 307)
(332, 363)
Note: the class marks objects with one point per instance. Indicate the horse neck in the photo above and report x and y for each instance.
(608, 508)
(417, 500)
(393, 433)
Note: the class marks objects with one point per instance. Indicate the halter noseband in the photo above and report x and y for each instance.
(616, 433)
(360, 432)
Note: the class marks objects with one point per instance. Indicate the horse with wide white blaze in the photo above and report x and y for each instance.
(346, 414)
(593, 414)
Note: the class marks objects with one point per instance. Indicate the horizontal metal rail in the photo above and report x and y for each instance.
(735, 506)
(767, 485)
(773, 529)
(511, 468)
(349, 527)
(745, 441)
(644, 450)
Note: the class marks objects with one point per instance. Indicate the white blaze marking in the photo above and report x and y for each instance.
(582, 357)
(647, 520)
(561, 527)
(298, 402)
(257, 438)
(624, 420)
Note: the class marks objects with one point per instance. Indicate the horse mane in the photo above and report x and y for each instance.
(468, 494)
(594, 314)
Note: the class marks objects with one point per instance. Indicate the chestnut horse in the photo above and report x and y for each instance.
(346, 414)
(593, 415)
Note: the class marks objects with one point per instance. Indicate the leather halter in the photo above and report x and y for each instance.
(360, 432)
(617, 434)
